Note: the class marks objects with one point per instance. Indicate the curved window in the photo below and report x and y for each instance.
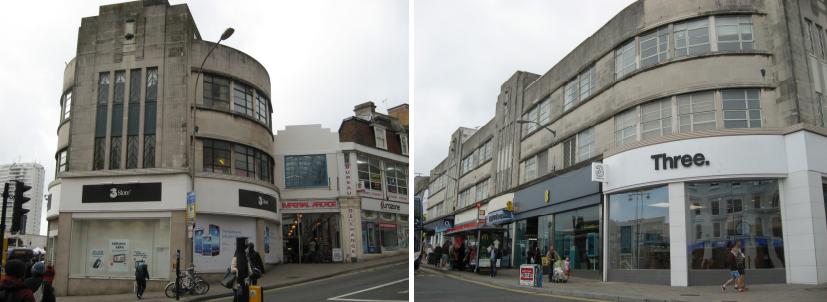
(656, 118)
(216, 92)
(626, 127)
(261, 108)
(243, 98)
(67, 104)
(654, 47)
(696, 112)
(692, 37)
(735, 32)
(625, 59)
(216, 156)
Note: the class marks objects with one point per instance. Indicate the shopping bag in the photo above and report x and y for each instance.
(135, 287)
(229, 279)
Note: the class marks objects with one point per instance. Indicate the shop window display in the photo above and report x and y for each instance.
(638, 230)
(322, 229)
(747, 215)
(576, 235)
(109, 247)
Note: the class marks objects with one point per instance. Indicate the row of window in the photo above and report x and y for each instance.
(483, 154)
(382, 142)
(370, 172)
(741, 108)
(436, 185)
(436, 211)
(249, 162)
(133, 116)
(246, 100)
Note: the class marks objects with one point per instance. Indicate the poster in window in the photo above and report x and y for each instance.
(137, 255)
(96, 258)
(376, 186)
(118, 250)
(392, 189)
(375, 178)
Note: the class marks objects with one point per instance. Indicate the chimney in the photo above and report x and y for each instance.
(400, 112)
(363, 108)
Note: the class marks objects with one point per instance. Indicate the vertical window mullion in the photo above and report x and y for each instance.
(101, 122)
(150, 115)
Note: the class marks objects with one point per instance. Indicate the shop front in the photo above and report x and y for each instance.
(311, 231)
(670, 215)
(384, 226)
(437, 228)
(503, 218)
(564, 213)
(479, 237)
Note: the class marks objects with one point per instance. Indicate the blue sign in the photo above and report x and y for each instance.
(190, 197)
(761, 241)
(499, 216)
(447, 224)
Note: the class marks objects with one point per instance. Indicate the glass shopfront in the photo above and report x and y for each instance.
(638, 229)
(110, 247)
(744, 211)
(576, 235)
(311, 238)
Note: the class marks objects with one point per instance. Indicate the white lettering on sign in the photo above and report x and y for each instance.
(352, 234)
(347, 180)
(113, 192)
(309, 204)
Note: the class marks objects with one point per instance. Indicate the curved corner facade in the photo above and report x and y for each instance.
(707, 120)
(140, 129)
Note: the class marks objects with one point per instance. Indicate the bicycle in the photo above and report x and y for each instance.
(190, 284)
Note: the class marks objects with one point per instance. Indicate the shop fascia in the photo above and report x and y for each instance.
(384, 206)
(303, 206)
(565, 192)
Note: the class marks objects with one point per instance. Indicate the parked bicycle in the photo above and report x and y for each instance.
(190, 284)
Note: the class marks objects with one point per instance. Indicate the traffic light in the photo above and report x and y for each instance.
(18, 211)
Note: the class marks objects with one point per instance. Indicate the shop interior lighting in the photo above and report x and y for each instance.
(660, 205)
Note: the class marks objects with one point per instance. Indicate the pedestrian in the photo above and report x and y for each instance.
(732, 263)
(552, 257)
(530, 256)
(473, 257)
(141, 275)
(741, 264)
(29, 268)
(311, 247)
(538, 256)
(38, 285)
(429, 251)
(445, 251)
(437, 255)
(234, 270)
(452, 256)
(494, 253)
(50, 272)
(255, 260)
(461, 257)
(12, 285)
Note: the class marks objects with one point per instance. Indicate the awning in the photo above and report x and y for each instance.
(472, 228)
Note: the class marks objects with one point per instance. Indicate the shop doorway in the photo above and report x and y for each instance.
(311, 238)
(526, 240)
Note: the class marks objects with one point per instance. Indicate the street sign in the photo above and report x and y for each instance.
(481, 212)
(481, 221)
(190, 197)
(191, 205)
(478, 205)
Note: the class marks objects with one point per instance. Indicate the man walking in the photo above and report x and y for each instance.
(739, 252)
(732, 263)
(141, 275)
(494, 253)
(552, 257)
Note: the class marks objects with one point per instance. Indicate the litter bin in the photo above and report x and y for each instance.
(530, 275)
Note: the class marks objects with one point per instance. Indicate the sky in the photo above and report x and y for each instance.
(323, 57)
(464, 50)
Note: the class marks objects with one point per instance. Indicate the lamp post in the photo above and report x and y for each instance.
(523, 121)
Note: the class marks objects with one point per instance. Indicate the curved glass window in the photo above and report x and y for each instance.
(639, 230)
(749, 209)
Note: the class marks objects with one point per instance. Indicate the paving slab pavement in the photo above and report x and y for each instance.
(508, 279)
(278, 276)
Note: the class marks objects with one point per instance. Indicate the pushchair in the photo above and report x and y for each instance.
(559, 275)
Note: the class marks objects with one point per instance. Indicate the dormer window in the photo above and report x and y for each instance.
(381, 141)
(403, 139)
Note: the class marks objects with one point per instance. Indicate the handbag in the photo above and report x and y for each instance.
(38, 295)
(256, 273)
(229, 279)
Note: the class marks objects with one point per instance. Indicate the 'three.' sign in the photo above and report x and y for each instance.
(671, 162)
(256, 200)
(121, 192)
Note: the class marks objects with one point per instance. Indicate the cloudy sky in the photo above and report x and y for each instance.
(466, 49)
(323, 57)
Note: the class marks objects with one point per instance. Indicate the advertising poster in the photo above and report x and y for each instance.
(118, 253)
(96, 260)
(137, 255)
(337, 255)
(216, 240)
(402, 232)
(272, 245)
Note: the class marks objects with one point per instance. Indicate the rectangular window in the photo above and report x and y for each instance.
(569, 152)
(216, 92)
(243, 98)
(820, 110)
(692, 37)
(587, 81)
(482, 190)
(742, 109)
(696, 112)
(586, 144)
(698, 232)
(626, 127)
(132, 152)
(67, 104)
(734, 33)
(532, 116)
(261, 108)
(370, 171)
(465, 198)
(61, 161)
(216, 156)
(467, 163)
(100, 122)
(305, 171)
(93, 255)
(530, 170)
(570, 95)
(245, 161)
(133, 121)
(807, 29)
(716, 207)
(150, 113)
(117, 121)
(625, 59)
(544, 113)
(381, 141)
(716, 229)
(638, 224)
(264, 167)
(820, 34)
(397, 177)
(656, 118)
(403, 142)
(654, 47)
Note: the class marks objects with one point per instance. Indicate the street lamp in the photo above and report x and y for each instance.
(522, 121)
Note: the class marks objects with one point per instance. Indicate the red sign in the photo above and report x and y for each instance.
(470, 225)
(387, 225)
(527, 274)
(309, 204)
(478, 205)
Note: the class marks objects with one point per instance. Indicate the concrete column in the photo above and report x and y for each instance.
(604, 230)
(63, 247)
(677, 235)
(804, 227)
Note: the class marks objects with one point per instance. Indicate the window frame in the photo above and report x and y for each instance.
(692, 113)
(570, 153)
(403, 142)
(530, 168)
(681, 51)
(570, 94)
(589, 140)
(743, 44)
(215, 88)
(67, 104)
(661, 47)
(586, 82)
(748, 109)
(309, 175)
(664, 120)
(625, 57)
(380, 138)
(369, 163)
(401, 183)
(213, 149)
(481, 190)
(628, 117)
(247, 105)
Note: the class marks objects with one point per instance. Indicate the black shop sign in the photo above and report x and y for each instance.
(136, 192)
(256, 200)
